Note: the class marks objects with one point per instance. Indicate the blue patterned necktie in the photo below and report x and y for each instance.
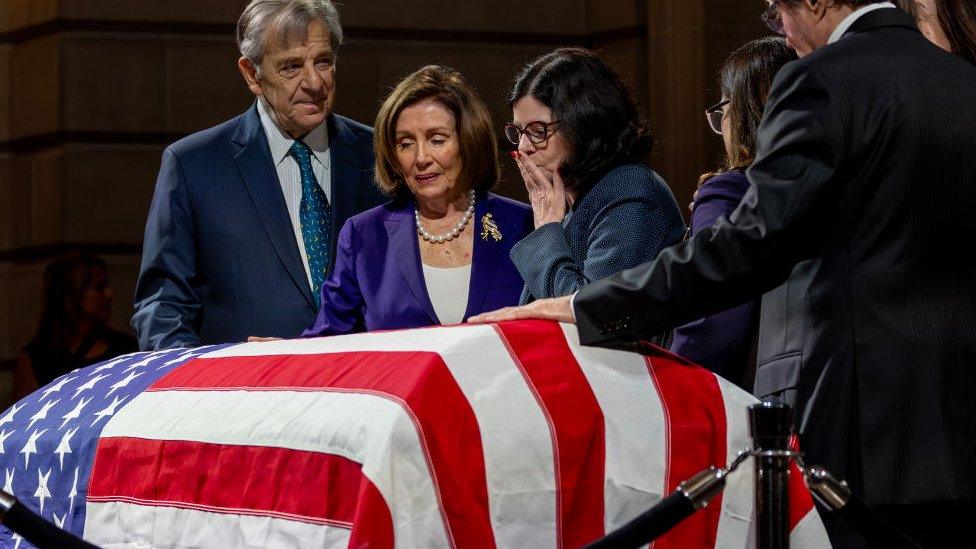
(315, 217)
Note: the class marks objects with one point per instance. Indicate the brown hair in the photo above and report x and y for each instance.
(745, 80)
(476, 141)
(958, 21)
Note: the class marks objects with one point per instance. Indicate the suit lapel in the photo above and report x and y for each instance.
(345, 170)
(488, 255)
(403, 240)
(261, 180)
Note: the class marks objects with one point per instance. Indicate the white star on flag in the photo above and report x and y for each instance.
(59, 521)
(31, 446)
(109, 365)
(149, 358)
(110, 410)
(17, 539)
(183, 356)
(91, 383)
(74, 414)
(42, 413)
(63, 447)
(9, 416)
(74, 493)
(119, 384)
(42, 492)
(57, 386)
(3, 438)
(8, 484)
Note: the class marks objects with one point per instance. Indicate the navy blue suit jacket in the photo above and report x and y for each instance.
(220, 258)
(625, 219)
(378, 281)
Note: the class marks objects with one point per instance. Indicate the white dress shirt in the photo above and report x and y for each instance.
(289, 174)
(854, 16)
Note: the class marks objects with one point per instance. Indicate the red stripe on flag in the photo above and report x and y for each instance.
(576, 422)
(233, 479)
(373, 525)
(801, 501)
(419, 381)
(694, 413)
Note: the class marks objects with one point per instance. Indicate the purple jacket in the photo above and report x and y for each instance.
(721, 342)
(378, 281)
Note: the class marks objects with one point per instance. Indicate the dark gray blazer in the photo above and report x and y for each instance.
(220, 259)
(862, 196)
(625, 219)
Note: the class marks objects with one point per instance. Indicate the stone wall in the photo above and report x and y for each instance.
(91, 91)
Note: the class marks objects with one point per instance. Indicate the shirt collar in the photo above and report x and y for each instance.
(854, 16)
(280, 142)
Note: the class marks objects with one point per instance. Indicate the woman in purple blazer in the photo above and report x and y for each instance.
(725, 341)
(439, 251)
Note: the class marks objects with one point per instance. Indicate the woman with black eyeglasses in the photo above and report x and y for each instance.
(724, 342)
(581, 148)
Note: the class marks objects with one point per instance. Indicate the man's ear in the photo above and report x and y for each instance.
(819, 7)
(250, 74)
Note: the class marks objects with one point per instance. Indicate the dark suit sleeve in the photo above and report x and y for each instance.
(782, 219)
(167, 300)
(545, 257)
(341, 311)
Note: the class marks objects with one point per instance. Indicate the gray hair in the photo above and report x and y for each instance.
(289, 19)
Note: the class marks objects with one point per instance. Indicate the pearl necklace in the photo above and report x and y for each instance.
(453, 233)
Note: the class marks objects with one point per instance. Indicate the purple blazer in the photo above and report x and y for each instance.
(378, 282)
(721, 342)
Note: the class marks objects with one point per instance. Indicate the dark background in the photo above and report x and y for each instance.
(91, 91)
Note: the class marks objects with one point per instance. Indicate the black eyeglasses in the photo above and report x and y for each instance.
(772, 19)
(714, 115)
(537, 132)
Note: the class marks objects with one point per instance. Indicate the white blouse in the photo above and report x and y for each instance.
(448, 291)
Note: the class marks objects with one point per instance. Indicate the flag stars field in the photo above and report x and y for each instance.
(48, 427)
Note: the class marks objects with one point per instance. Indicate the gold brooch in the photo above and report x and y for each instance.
(488, 227)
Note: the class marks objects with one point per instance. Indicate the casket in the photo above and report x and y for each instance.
(509, 435)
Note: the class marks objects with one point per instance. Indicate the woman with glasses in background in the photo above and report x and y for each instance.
(581, 149)
(725, 342)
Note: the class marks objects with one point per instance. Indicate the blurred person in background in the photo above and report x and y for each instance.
(725, 342)
(582, 149)
(437, 253)
(74, 331)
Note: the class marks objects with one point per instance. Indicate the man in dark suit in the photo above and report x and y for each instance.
(243, 225)
(866, 164)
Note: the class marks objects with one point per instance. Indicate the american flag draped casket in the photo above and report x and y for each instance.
(509, 435)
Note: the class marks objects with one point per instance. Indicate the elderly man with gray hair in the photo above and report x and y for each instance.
(243, 223)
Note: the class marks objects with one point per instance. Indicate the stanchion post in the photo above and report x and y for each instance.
(771, 425)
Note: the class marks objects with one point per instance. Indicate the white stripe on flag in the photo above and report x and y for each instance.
(434, 340)
(145, 526)
(521, 491)
(736, 524)
(366, 425)
(636, 445)
(809, 533)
